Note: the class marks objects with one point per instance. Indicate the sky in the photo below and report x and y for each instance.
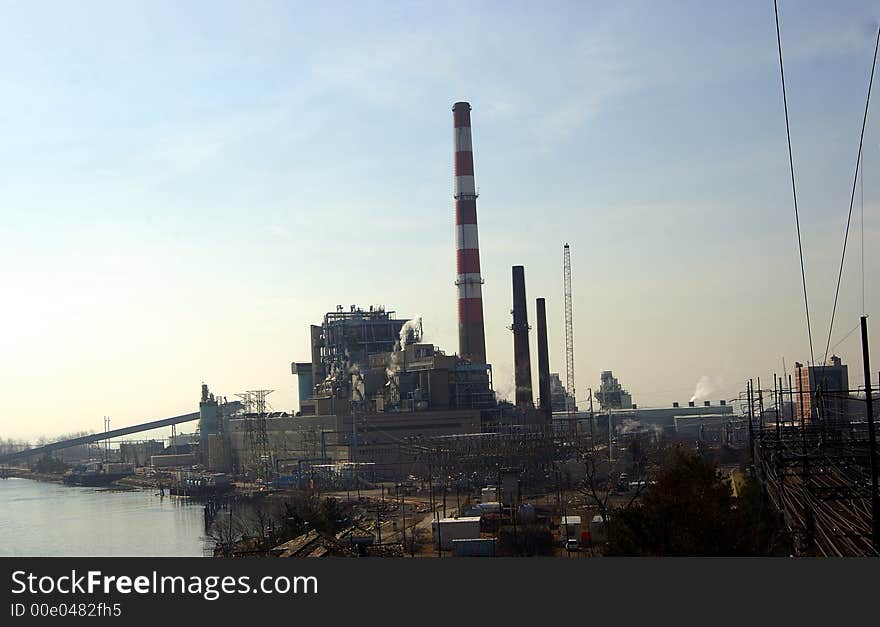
(185, 187)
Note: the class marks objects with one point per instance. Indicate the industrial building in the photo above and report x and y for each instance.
(715, 428)
(370, 362)
(376, 388)
(139, 453)
(822, 391)
(560, 397)
(660, 419)
(610, 394)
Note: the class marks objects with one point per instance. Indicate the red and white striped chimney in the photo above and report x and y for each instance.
(471, 335)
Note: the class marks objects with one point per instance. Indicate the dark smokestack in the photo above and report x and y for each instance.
(471, 334)
(544, 363)
(522, 362)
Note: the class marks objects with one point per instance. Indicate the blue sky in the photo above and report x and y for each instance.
(186, 188)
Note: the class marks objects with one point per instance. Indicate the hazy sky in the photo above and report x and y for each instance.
(185, 187)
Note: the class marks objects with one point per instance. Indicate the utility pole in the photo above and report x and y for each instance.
(780, 468)
(591, 418)
(751, 431)
(761, 407)
(610, 441)
(807, 496)
(564, 517)
(760, 468)
(776, 400)
(402, 497)
(431, 487)
(107, 440)
(872, 437)
(379, 518)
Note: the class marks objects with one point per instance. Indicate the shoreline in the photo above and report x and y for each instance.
(125, 484)
(21, 473)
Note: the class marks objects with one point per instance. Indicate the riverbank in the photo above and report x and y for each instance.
(24, 473)
(126, 483)
(139, 481)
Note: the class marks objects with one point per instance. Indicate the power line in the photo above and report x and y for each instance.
(853, 195)
(793, 186)
(848, 333)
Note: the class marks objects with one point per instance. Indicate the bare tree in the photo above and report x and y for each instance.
(606, 474)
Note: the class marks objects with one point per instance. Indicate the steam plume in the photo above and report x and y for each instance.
(415, 326)
(706, 386)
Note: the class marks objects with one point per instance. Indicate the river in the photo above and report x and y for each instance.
(49, 519)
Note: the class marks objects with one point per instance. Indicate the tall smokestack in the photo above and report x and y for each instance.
(471, 335)
(522, 363)
(544, 363)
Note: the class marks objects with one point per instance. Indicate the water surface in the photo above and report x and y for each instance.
(48, 519)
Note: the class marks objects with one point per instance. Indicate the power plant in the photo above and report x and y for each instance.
(372, 386)
(379, 407)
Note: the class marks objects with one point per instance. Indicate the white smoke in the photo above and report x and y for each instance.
(706, 387)
(505, 388)
(393, 363)
(414, 325)
(629, 425)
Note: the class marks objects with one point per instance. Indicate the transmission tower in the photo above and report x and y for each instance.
(256, 410)
(569, 339)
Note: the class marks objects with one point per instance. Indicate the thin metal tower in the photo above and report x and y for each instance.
(569, 337)
(256, 409)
